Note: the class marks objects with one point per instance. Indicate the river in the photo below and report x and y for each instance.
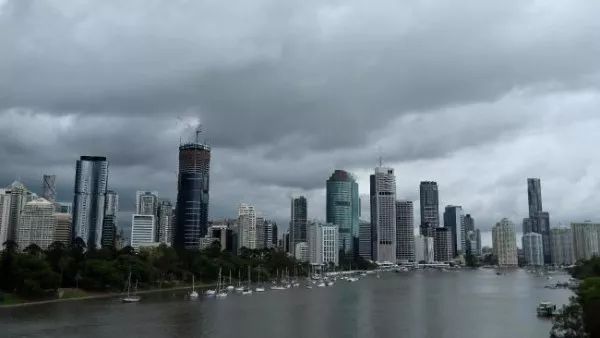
(430, 303)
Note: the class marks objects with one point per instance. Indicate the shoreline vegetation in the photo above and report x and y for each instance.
(84, 295)
(61, 273)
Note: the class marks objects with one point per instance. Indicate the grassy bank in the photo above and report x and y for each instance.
(72, 294)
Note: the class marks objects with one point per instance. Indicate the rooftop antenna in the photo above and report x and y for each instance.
(198, 131)
(380, 158)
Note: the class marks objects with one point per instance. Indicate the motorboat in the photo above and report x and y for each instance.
(546, 309)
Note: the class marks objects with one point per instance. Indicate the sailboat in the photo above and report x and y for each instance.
(239, 288)
(220, 293)
(193, 294)
(210, 292)
(131, 298)
(259, 288)
(248, 290)
(230, 286)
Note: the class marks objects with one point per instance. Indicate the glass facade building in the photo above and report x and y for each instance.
(192, 195)
(91, 180)
(343, 209)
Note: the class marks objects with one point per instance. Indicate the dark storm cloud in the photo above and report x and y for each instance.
(287, 92)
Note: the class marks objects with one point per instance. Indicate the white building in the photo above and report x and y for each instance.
(323, 243)
(146, 202)
(37, 224)
(533, 249)
(586, 240)
(504, 243)
(62, 231)
(247, 226)
(383, 215)
(424, 251)
(4, 214)
(561, 250)
(142, 230)
(301, 252)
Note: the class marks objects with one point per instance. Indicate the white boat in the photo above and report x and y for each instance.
(352, 279)
(277, 287)
(330, 283)
(309, 287)
(220, 292)
(210, 292)
(230, 287)
(239, 288)
(247, 292)
(193, 294)
(131, 298)
(321, 285)
(259, 289)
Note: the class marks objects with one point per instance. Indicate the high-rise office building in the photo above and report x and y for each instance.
(36, 224)
(539, 220)
(91, 179)
(146, 202)
(323, 246)
(298, 221)
(532, 249)
(268, 235)
(364, 240)
(586, 240)
(109, 224)
(383, 215)
(430, 209)
(504, 243)
(454, 220)
(469, 223)
(343, 208)
(142, 230)
(302, 252)
(424, 249)
(62, 231)
(49, 188)
(64, 207)
(478, 239)
(259, 233)
(561, 246)
(534, 196)
(192, 194)
(165, 222)
(442, 243)
(405, 231)
(275, 234)
(247, 226)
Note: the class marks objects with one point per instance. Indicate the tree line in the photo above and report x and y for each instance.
(581, 317)
(34, 273)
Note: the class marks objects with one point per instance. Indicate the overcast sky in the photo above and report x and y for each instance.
(476, 95)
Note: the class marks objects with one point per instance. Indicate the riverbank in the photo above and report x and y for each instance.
(11, 300)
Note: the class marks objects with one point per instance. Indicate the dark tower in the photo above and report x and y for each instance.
(192, 194)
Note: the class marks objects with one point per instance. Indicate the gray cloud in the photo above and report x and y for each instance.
(468, 94)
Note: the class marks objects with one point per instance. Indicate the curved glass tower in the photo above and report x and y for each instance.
(343, 209)
(91, 179)
(192, 195)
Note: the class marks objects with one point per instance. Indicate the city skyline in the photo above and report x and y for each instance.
(268, 110)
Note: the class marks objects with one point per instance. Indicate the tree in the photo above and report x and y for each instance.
(33, 249)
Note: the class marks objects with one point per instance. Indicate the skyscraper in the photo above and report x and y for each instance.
(430, 210)
(424, 249)
(534, 196)
(19, 196)
(37, 224)
(91, 179)
(504, 244)
(49, 188)
(165, 221)
(109, 224)
(298, 221)
(364, 240)
(442, 243)
(469, 223)
(383, 215)
(454, 220)
(146, 202)
(562, 246)
(405, 235)
(539, 220)
(4, 214)
(343, 208)
(247, 226)
(532, 249)
(192, 194)
(259, 233)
